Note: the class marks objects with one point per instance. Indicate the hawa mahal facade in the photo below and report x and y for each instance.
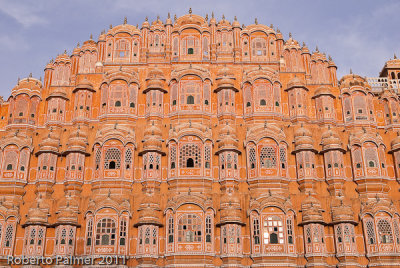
(202, 143)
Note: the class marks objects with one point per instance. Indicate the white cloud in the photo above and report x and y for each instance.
(26, 14)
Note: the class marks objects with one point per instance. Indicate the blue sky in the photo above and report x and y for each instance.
(360, 35)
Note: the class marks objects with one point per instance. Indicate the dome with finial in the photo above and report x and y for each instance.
(230, 209)
(76, 50)
(84, 84)
(304, 49)
(295, 82)
(225, 80)
(77, 141)
(235, 23)
(303, 139)
(146, 23)
(331, 141)
(62, 58)
(342, 213)
(311, 210)
(168, 21)
(29, 85)
(50, 143)
(291, 43)
(155, 80)
(148, 210)
(323, 90)
(58, 92)
(227, 139)
(125, 28)
(349, 81)
(152, 139)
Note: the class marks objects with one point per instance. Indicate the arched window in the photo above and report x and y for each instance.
(112, 159)
(263, 102)
(190, 99)
(122, 233)
(252, 158)
(268, 157)
(189, 228)
(208, 229)
(8, 236)
(9, 167)
(89, 233)
(256, 231)
(190, 51)
(273, 230)
(117, 104)
(385, 231)
(105, 232)
(170, 230)
(187, 152)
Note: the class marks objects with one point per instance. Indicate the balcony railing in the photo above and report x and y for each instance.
(378, 84)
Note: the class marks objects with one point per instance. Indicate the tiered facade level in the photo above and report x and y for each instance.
(197, 143)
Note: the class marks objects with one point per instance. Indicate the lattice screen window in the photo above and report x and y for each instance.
(359, 105)
(371, 157)
(396, 230)
(289, 226)
(207, 156)
(369, 224)
(121, 49)
(128, 158)
(256, 231)
(105, 232)
(170, 230)
(268, 157)
(224, 234)
(71, 236)
(189, 228)
(348, 237)
(112, 158)
(40, 236)
(235, 161)
(385, 231)
(10, 160)
(259, 47)
(9, 234)
(147, 236)
(154, 235)
(122, 232)
(190, 156)
(282, 157)
(357, 158)
(273, 230)
(252, 158)
(63, 236)
(308, 234)
(89, 233)
(339, 233)
(208, 229)
(173, 157)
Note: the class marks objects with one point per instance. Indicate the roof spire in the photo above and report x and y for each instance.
(316, 49)
(125, 20)
(223, 16)
(110, 26)
(190, 10)
(351, 71)
(212, 14)
(255, 21)
(169, 15)
(290, 35)
(394, 56)
(235, 19)
(91, 36)
(175, 17)
(206, 18)
(147, 18)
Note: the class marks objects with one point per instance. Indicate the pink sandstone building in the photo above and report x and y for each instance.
(197, 142)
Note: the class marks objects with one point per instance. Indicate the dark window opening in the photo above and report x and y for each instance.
(117, 104)
(9, 167)
(132, 105)
(190, 50)
(189, 163)
(273, 238)
(263, 102)
(190, 99)
(174, 102)
(111, 165)
(248, 104)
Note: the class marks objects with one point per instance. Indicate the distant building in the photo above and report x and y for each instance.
(197, 143)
